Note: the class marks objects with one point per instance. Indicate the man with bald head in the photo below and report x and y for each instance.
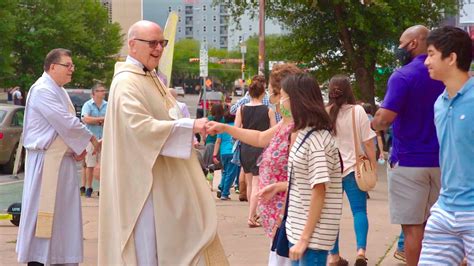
(413, 175)
(155, 206)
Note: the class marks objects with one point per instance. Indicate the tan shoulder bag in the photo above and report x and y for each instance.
(365, 174)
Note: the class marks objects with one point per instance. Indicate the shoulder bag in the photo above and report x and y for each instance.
(365, 173)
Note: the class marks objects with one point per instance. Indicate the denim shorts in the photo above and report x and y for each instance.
(313, 257)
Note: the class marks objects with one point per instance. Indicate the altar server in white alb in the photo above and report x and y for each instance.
(51, 220)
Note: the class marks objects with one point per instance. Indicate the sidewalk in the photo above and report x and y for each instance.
(245, 246)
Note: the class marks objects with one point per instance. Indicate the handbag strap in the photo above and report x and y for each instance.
(356, 136)
(291, 172)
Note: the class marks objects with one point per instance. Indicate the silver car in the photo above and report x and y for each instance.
(11, 127)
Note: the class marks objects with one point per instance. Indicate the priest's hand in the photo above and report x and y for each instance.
(200, 126)
(80, 157)
(213, 127)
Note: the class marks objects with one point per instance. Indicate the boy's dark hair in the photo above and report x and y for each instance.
(306, 101)
(257, 87)
(54, 56)
(449, 40)
(368, 108)
(228, 117)
(217, 111)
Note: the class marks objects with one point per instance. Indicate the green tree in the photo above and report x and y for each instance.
(80, 26)
(345, 36)
(276, 49)
(183, 69)
(7, 31)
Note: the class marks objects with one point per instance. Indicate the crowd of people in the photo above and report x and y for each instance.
(295, 155)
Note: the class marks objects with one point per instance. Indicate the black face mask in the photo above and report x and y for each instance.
(403, 55)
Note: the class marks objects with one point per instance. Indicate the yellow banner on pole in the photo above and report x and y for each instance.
(166, 62)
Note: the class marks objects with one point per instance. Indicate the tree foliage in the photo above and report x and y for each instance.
(80, 26)
(345, 36)
(183, 69)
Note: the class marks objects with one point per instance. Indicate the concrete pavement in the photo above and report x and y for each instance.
(243, 245)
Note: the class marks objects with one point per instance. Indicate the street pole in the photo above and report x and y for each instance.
(243, 50)
(261, 37)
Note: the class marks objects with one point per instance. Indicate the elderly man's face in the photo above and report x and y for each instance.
(148, 46)
(62, 70)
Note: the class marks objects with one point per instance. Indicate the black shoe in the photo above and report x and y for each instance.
(218, 194)
(361, 261)
(89, 192)
(83, 191)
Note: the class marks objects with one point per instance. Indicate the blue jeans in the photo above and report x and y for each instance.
(358, 201)
(316, 257)
(229, 172)
(401, 242)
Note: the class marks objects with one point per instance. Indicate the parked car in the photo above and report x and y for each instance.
(78, 98)
(212, 97)
(11, 127)
(238, 91)
(179, 91)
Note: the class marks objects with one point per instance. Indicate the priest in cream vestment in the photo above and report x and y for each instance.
(155, 207)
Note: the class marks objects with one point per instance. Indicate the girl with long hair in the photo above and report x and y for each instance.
(341, 106)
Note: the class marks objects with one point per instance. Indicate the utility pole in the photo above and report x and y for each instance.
(261, 37)
(243, 50)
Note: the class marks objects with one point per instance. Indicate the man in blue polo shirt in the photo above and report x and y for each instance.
(93, 114)
(449, 234)
(414, 175)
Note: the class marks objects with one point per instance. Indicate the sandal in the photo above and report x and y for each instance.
(340, 262)
(252, 223)
(361, 260)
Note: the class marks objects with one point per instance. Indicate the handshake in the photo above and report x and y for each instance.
(203, 126)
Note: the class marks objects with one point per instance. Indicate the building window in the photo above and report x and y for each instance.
(204, 29)
(188, 10)
(223, 9)
(224, 19)
(250, 27)
(214, 29)
(203, 18)
(169, 9)
(223, 30)
(214, 18)
(189, 20)
(179, 19)
(204, 8)
(214, 40)
(189, 30)
(179, 29)
(179, 9)
(240, 38)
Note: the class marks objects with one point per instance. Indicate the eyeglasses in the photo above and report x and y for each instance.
(154, 43)
(68, 66)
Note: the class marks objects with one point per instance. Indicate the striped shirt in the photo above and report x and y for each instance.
(315, 162)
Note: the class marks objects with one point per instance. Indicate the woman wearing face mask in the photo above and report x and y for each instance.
(315, 187)
(273, 166)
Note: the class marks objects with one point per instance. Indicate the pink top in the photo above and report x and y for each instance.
(273, 169)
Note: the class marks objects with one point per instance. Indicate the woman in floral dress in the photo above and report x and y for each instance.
(273, 166)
